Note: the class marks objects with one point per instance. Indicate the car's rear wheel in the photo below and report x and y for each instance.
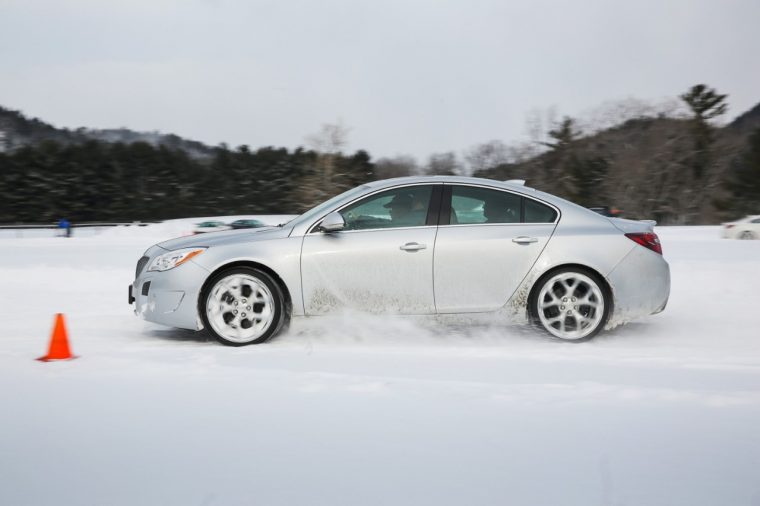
(747, 235)
(571, 304)
(242, 306)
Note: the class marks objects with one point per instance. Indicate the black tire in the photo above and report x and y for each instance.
(747, 235)
(280, 311)
(581, 310)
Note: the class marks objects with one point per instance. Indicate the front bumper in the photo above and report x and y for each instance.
(169, 297)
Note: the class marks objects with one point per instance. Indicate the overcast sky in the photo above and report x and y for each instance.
(406, 76)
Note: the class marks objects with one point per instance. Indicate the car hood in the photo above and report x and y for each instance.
(226, 237)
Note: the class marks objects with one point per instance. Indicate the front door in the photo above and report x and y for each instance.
(381, 262)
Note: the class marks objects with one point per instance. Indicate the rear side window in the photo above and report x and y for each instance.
(536, 212)
(471, 205)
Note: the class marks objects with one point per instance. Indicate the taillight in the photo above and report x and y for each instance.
(728, 225)
(648, 240)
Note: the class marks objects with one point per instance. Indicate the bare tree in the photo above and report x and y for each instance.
(443, 164)
(330, 139)
(537, 124)
(398, 166)
(616, 112)
(328, 143)
(324, 180)
(486, 156)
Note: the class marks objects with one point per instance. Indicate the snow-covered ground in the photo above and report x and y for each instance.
(370, 410)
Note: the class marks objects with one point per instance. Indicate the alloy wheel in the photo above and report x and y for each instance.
(570, 305)
(240, 308)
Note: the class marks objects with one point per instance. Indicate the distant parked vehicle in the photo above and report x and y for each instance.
(247, 224)
(609, 212)
(210, 226)
(745, 228)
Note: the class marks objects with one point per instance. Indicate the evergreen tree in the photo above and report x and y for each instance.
(563, 135)
(744, 183)
(705, 104)
(588, 178)
(558, 163)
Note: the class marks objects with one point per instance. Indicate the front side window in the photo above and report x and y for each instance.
(400, 207)
(471, 205)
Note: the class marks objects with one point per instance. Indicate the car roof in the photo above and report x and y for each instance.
(516, 186)
(445, 179)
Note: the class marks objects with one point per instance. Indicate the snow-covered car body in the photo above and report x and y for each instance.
(745, 228)
(455, 259)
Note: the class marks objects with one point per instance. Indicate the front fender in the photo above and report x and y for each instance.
(282, 256)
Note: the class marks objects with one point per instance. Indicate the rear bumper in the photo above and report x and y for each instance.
(640, 285)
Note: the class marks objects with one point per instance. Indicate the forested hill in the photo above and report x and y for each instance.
(673, 170)
(747, 122)
(17, 131)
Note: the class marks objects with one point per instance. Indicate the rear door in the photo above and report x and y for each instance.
(487, 242)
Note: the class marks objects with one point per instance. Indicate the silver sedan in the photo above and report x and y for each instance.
(415, 245)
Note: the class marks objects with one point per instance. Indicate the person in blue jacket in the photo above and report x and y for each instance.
(65, 226)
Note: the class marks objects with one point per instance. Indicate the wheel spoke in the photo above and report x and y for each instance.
(233, 288)
(266, 311)
(579, 320)
(551, 303)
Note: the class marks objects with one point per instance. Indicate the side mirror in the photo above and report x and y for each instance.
(333, 222)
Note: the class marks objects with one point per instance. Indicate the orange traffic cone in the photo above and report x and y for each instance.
(59, 342)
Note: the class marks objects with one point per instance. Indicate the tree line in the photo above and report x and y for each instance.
(677, 169)
(100, 181)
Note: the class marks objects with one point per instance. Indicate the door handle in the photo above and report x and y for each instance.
(524, 240)
(412, 246)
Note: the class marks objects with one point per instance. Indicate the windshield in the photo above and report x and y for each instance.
(314, 212)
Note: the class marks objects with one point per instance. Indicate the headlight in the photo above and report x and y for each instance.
(174, 258)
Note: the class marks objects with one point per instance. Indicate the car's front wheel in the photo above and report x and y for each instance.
(747, 235)
(242, 306)
(571, 304)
